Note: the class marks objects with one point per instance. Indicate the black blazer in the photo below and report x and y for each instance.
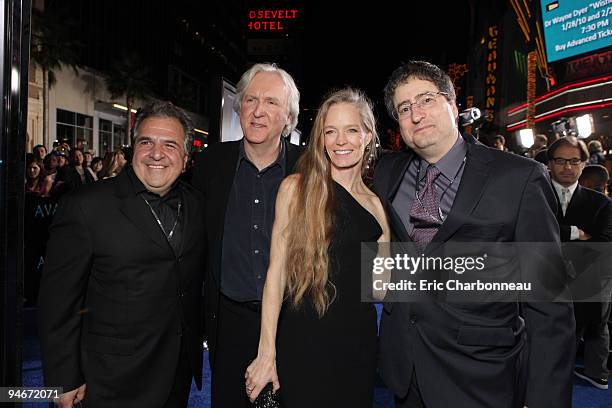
(213, 174)
(481, 354)
(113, 295)
(590, 211)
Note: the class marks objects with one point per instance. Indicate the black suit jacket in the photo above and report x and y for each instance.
(213, 174)
(113, 296)
(481, 354)
(590, 211)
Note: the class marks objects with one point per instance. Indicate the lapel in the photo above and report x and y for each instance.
(473, 182)
(574, 204)
(223, 183)
(138, 212)
(188, 217)
(397, 173)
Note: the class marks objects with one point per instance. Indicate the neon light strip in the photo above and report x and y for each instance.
(598, 81)
(566, 109)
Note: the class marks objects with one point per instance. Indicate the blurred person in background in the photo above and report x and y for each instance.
(595, 177)
(596, 155)
(39, 152)
(540, 141)
(36, 178)
(95, 167)
(112, 165)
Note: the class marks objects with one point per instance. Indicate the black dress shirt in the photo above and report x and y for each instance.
(166, 210)
(248, 227)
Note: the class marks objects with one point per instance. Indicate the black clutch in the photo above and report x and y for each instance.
(267, 398)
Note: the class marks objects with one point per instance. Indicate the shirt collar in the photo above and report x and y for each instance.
(140, 188)
(280, 159)
(559, 187)
(450, 163)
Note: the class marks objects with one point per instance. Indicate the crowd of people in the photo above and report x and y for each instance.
(65, 168)
(259, 252)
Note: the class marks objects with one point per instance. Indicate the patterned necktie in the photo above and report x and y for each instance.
(424, 212)
(565, 192)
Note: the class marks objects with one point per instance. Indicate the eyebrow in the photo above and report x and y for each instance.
(161, 139)
(416, 96)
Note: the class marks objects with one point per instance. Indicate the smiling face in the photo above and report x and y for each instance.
(431, 131)
(345, 136)
(264, 111)
(33, 170)
(159, 153)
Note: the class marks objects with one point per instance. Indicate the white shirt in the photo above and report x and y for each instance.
(574, 234)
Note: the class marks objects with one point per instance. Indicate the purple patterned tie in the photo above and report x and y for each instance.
(424, 212)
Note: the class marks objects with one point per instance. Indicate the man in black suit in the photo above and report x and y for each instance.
(584, 215)
(240, 180)
(120, 298)
(439, 354)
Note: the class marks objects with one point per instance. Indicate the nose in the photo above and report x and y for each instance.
(157, 151)
(416, 114)
(341, 139)
(259, 109)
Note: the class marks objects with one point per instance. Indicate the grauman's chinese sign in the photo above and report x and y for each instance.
(271, 20)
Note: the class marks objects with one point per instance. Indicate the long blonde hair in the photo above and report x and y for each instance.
(311, 210)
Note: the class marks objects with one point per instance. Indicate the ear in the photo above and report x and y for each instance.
(455, 110)
(185, 159)
(368, 138)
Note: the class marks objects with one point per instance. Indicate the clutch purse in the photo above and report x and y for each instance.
(267, 398)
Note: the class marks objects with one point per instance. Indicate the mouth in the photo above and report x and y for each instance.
(343, 152)
(156, 166)
(421, 128)
(258, 125)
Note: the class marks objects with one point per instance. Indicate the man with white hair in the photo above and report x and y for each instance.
(240, 180)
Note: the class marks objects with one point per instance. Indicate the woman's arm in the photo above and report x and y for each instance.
(263, 369)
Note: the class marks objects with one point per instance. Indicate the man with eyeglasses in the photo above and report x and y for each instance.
(449, 188)
(584, 215)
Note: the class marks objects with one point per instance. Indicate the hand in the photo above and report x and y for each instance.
(583, 236)
(68, 399)
(258, 374)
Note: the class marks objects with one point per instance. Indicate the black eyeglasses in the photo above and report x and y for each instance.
(559, 161)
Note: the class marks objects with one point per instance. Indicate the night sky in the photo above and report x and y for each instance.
(362, 43)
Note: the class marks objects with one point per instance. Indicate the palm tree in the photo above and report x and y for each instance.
(53, 44)
(128, 77)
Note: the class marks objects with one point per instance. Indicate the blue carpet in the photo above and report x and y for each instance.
(585, 395)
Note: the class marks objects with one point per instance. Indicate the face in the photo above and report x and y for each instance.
(40, 152)
(88, 158)
(264, 112)
(97, 167)
(428, 131)
(344, 135)
(159, 153)
(53, 162)
(61, 161)
(498, 144)
(121, 159)
(566, 174)
(33, 170)
(78, 158)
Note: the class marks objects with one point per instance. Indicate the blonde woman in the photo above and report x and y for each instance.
(325, 348)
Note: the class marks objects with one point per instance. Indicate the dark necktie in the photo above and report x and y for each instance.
(424, 212)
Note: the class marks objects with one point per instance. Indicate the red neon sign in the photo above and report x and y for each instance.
(270, 20)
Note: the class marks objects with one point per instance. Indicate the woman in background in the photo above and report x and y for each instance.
(325, 350)
(112, 165)
(36, 180)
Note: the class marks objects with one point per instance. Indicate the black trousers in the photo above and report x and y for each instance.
(236, 347)
(413, 399)
(179, 394)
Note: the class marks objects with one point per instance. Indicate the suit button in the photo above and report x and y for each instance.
(413, 319)
(180, 294)
(214, 316)
(180, 259)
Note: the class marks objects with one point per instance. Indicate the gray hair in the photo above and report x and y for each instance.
(419, 70)
(166, 109)
(293, 99)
